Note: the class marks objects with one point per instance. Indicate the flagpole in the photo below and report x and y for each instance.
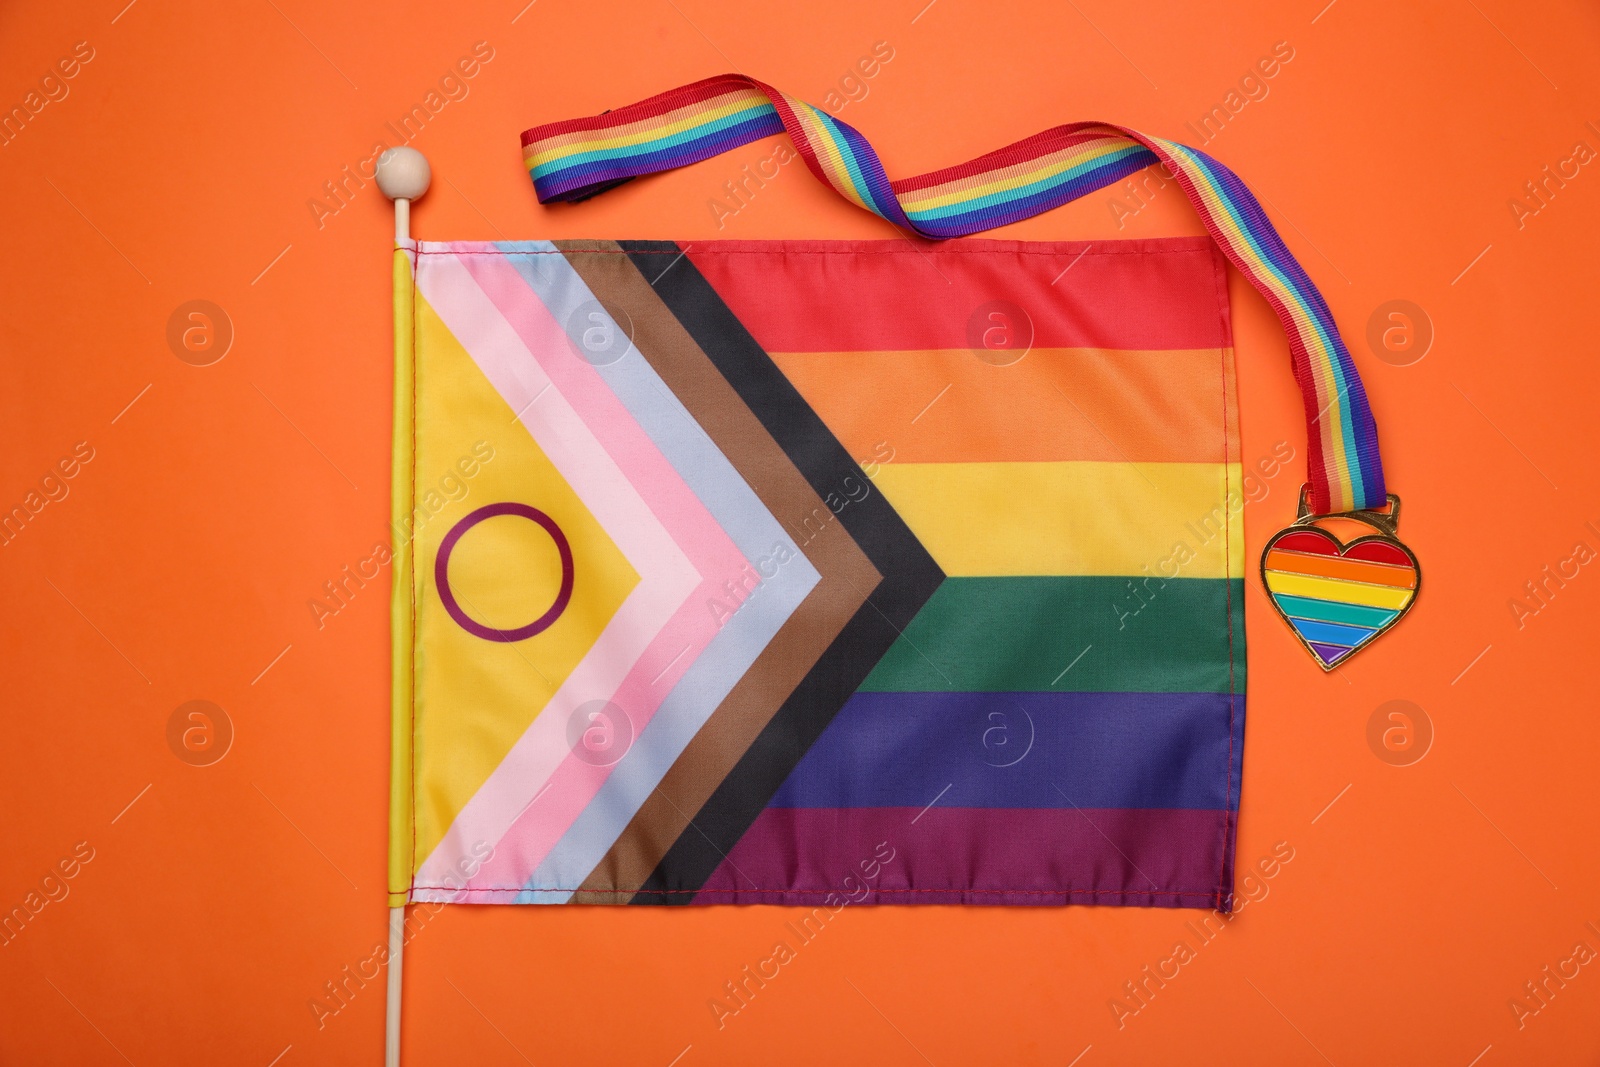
(391, 1019)
(403, 175)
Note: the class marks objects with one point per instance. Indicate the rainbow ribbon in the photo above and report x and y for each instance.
(579, 158)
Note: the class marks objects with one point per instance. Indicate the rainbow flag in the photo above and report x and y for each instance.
(802, 572)
(579, 158)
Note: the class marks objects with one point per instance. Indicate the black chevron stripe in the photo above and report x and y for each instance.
(910, 575)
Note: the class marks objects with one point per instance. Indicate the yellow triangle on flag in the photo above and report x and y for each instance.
(475, 697)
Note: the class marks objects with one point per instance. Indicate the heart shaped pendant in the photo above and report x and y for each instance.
(1338, 597)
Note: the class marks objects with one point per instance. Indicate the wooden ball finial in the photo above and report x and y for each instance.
(403, 174)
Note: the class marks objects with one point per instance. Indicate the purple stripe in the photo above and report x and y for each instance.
(1371, 491)
(1147, 856)
(1021, 750)
(611, 168)
(1025, 207)
(883, 198)
(1329, 654)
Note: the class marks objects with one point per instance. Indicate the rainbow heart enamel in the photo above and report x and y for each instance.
(1336, 597)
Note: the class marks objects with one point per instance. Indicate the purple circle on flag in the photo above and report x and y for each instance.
(441, 573)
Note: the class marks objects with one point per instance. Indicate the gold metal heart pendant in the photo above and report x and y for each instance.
(1336, 596)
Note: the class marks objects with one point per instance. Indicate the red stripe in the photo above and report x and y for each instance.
(1165, 857)
(1380, 552)
(660, 104)
(798, 134)
(1041, 144)
(1321, 494)
(1307, 541)
(892, 296)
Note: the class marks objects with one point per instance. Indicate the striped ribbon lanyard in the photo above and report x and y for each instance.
(579, 158)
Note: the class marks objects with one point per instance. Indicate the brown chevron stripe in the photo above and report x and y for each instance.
(848, 577)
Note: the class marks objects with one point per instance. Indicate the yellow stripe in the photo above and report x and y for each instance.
(1331, 421)
(1166, 520)
(1066, 159)
(677, 118)
(1021, 173)
(649, 130)
(828, 154)
(1376, 596)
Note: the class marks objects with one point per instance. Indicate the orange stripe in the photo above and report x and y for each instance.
(674, 121)
(1348, 570)
(949, 406)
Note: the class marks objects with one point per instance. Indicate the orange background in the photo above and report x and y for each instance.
(180, 564)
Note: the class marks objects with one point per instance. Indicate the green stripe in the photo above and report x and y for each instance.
(1019, 634)
(1301, 607)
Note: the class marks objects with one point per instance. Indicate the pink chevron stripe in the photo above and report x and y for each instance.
(631, 640)
(529, 839)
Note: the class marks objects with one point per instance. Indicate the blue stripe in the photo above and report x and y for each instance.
(658, 144)
(847, 155)
(1020, 750)
(1002, 212)
(729, 132)
(1143, 155)
(1301, 607)
(875, 185)
(1348, 381)
(1332, 633)
(882, 190)
(1253, 223)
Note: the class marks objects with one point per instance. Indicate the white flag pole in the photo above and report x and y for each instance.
(403, 175)
(391, 1019)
